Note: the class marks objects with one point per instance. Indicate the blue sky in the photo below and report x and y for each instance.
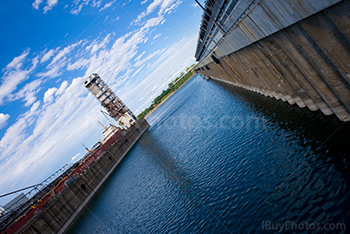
(48, 47)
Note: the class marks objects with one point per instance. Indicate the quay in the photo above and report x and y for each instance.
(60, 215)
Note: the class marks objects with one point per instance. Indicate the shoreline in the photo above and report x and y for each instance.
(171, 94)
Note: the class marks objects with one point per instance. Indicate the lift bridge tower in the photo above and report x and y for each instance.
(110, 101)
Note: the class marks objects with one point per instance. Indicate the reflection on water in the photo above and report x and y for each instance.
(325, 135)
(225, 160)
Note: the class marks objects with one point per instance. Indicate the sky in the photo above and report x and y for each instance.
(49, 47)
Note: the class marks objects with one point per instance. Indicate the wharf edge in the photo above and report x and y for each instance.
(61, 214)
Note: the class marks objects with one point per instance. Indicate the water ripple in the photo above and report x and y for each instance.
(219, 159)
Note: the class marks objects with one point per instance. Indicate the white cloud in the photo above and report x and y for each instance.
(54, 70)
(166, 6)
(35, 61)
(96, 3)
(81, 63)
(10, 82)
(75, 156)
(153, 6)
(17, 62)
(49, 95)
(49, 5)
(156, 36)
(3, 119)
(154, 22)
(103, 44)
(78, 5)
(28, 92)
(14, 75)
(137, 71)
(139, 18)
(64, 52)
(77, 10)
(36, 4)
(139, 57)
(154, 88)
(62, 88)
(47, 56)
(107, 5)
(58, 62)
(148, 11)
(143, 2)
(16, 133)
(140, 62)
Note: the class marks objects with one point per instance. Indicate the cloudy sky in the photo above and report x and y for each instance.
(48, 47)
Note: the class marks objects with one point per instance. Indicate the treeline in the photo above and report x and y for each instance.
(172, 87)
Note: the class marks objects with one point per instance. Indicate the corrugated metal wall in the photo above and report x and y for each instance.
(252, 20)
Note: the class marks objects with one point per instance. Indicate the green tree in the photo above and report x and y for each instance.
(171, 86)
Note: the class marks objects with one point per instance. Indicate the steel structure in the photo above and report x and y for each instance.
(218, 18)
(20, 207)
(110, 101)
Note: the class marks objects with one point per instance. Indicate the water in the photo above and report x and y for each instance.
(219, 159)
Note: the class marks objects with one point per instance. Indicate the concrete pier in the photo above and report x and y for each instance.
(295, 51)
(61, 213)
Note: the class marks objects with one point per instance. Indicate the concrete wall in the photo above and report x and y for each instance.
(307, 63)
(61, 213)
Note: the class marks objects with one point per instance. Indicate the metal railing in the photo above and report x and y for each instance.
(36, 192)
(227, 15)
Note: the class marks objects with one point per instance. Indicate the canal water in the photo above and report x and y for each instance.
(220, 159)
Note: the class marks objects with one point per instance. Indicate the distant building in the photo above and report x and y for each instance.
(16, 202)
